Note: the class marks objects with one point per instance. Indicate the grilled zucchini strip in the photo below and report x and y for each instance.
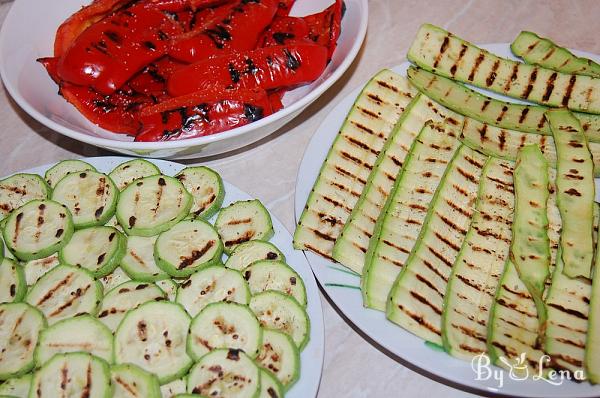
(350, 160)
(12, 281)
(57, 172)
(461, 99)
(536, 50)
(575, 192)
(477, 269)
(76, 373)
(505, 144)
(153, 337)
(592, 344)
(351, 246)
(17, 190)
(79, 334)
(530, 246)
(131, 381)
(128, 172)
(401, 220)
(21, 326)
(417, 296)
(438, 50)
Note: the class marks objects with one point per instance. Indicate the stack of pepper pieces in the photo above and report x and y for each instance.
(173, 69)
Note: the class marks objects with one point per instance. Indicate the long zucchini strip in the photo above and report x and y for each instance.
(476, 271)
(401, 220)
(505, 144)
(417, 296)
(352, 244)
(592, 344)
(461, 99)
(543, 52)
(437, 50)
(350, 160)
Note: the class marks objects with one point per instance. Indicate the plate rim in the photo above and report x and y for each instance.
(315, 306)
(316, 262)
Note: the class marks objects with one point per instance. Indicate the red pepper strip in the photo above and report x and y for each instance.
(181, 5)
(152, 80)
(72, 27)
(275, 100)
(284, 30)
(284, 7)
(325, 27)
(267, 68)
(234, 27)
(50, 64)
(112, 50)
(202, 113)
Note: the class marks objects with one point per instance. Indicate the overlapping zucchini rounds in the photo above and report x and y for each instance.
(470, 220)
(115, 285)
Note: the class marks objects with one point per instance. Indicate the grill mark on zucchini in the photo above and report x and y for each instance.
(423, 300)
(529, 87)
(492, 76)
(441, 52)
(569, 90)
(463, 50)
(478, 62)
(549, 87)
(569, 311)
(419, 319)
(74, 296)
(196, 254)
(65, 281)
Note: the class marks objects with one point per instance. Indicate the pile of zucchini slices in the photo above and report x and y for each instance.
(113, 285)
(471, 220)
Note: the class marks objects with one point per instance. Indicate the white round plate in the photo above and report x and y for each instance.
(312, 355)
(28, 33)
(343, 287)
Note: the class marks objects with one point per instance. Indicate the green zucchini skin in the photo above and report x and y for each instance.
(351, 246)
(536, 50)
(348, 164)
(398, 225)
(437, 50)
(508, 115)
(416, 299)
(477, 269)
(530, 246)
(575, 192)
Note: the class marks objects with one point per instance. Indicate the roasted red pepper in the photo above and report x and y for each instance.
(285, 30)
(325, 27)
(152, 80)
(267, 68)
(202, 113)
(284, 7)
(234, 26)
(180, 5)
(111, 51)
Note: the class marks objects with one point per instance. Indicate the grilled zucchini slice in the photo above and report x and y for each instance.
(403, 215)
(461, 99)
(254, 250)
(128, 172)
(38, 229)
(153, 205)
(206, 186)
(210, 285)
(243, 221)
(77, 373)
(35, 269)
(437, 50)
(477, 269)
(65, 291)
(187, 247)
(275, 275)
(12, 282)
(238, 375)
(279, 355)
(17, 190)
(57, 172)
(350, 160)
(113, 279)
(139, 262)
(351, 246)
(536, 50)
(125, 297)
(270, 387)
(276, 310)
(172, 389)
(83, 333)
(131, 381)
(224, 325)
(97, 249)
(417, 297)
(153, 336)
(21, 326)
(16, 387)
(90, 196)
(575, 192)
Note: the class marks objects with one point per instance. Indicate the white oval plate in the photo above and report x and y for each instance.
(343, 286)
(312, 355)
(28, 33)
